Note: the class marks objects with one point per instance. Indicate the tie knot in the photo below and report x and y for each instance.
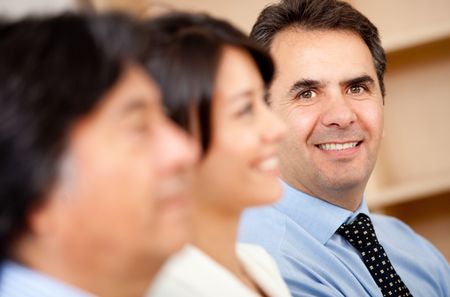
(360, 233)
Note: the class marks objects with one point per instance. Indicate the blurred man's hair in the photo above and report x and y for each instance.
(53, 71)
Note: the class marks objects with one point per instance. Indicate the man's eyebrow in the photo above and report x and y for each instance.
(304, 84)
(363, 79)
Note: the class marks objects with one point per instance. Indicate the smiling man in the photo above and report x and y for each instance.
(329, 89)
(93, 174)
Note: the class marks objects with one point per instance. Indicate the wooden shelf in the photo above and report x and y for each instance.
(414, 163)
(403, 23)
(409, 191)
(418, 37)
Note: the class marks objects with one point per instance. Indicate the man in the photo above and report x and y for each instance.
(329, 88)
(93, 175)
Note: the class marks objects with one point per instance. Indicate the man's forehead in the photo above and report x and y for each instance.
(133, 90)
(297, 36)
(311, 51)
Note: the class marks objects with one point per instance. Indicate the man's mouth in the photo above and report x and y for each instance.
(338, 146)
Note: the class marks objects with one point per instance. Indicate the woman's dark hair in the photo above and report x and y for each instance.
(53, 71)
(319, 15)
(184, 61)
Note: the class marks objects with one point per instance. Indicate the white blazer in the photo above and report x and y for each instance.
(192, 273)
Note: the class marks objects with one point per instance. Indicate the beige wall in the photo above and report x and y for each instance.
(20, 8)
(242, 13)
(405, 23)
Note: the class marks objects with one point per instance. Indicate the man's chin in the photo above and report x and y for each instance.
(343, 181)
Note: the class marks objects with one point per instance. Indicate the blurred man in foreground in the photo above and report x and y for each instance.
(93, 175)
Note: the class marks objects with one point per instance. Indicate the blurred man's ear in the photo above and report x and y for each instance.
(43, 218)
(39, 231)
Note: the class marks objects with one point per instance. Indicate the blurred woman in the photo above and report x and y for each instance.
(217, 79)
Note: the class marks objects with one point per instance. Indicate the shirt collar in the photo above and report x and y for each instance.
(23, 280)
(319, 218)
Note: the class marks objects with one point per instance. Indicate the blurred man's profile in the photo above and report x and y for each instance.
(93, 174)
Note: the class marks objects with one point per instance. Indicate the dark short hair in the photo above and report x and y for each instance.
(185, 62)
(53, 71)
(320, 15)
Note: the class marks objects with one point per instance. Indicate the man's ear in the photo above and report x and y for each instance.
(40, 219)
(47, 216)
(43, 218)
(41, 227)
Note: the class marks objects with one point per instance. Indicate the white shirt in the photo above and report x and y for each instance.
(193, 273)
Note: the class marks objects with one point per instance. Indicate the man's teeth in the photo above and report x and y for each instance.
(269, 164)
(337, 146)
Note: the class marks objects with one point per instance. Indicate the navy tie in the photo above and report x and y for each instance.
(361, 234)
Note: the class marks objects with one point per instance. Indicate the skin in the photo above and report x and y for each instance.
(240, 168)
(327, 91)
(122, 189)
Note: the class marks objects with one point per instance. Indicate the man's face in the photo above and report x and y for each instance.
(120, 199)
(327, 90)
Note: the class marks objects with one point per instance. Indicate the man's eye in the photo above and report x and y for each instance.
(246, 110)
(138, 124)
(140, 128)
(357, 89)
(309, 94)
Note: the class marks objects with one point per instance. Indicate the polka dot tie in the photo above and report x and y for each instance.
(361, 234)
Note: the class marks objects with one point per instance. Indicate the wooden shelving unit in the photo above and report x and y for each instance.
(409, 192)
(412, 177)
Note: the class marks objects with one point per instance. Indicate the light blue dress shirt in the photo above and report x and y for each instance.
(19, 281)
(299, 232)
